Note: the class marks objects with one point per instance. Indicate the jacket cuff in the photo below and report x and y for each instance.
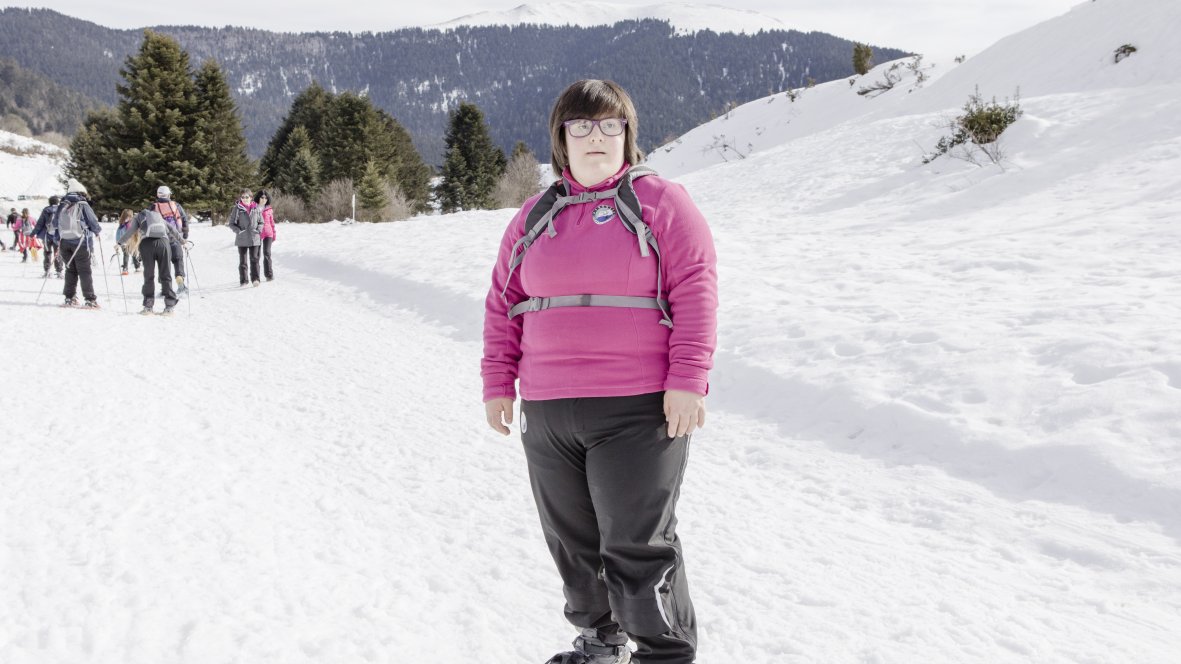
(687, 384)
(499, 391)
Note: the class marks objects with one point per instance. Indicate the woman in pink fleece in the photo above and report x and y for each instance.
(610, 390)
(263, 201)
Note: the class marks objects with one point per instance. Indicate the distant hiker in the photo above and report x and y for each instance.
(46, 231)
(153, 237)
(262, 200)
(606, 417)
(29, 242)
(20, 226)
(122, 235)
(176, 217)
(14, 224)
(76, 224)
(246, 221)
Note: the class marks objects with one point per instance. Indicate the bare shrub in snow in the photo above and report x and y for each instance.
(335, 201)
(519, 181)
(287, 207)
(889, 80)
(1123, 52)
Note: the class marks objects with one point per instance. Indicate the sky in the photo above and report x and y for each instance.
(936, 28)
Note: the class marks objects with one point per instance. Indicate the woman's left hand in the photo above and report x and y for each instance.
(685, 412)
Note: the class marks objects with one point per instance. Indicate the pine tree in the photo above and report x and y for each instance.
(413, 176)
(309, 110)
(219, 142)
(862, 58)
(473, 163)
(345, 151)
(158, 125)
(92, 153)
(300, 175)
(371, 192)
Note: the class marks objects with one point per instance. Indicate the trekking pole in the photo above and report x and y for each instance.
(122, 288)
(193, 269)
(106, 282)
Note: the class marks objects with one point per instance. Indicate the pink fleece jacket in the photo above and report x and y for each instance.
(268, 223)
(605, 351)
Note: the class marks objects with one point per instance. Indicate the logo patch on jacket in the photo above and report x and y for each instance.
(603, 214)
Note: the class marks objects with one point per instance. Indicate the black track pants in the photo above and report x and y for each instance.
(606, 478)
(177, 257)
(242, 253)
(52, 254)
(78, 269)
(157, 255)
(267, 268)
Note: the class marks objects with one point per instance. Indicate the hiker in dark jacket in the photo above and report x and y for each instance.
(76, 224)
(176, 217)
(45, 231)
(246, 222)
(11, 223)
(153, 237)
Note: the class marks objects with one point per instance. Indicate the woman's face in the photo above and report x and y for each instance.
(595, 156)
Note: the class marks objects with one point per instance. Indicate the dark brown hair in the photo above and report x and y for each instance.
(592, 99)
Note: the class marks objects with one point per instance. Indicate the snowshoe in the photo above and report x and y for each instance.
(146, 311)
(589, 648)
(91, 304)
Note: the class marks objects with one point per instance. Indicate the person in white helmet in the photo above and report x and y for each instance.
(176, 217)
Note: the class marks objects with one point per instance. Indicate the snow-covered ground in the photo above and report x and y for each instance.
(945, 421)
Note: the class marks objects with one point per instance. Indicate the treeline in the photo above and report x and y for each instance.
(512, 72)
(179, 127)
(33, 105)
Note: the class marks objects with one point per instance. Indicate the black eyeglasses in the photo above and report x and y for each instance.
(583, 128)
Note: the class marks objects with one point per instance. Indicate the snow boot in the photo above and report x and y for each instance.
(91, 304)
(591, 648)
(180, 285)
(167, 311)
(146, 311)
(70, 302)
(254, 283)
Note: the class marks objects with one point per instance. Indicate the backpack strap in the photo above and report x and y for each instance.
(541, 218)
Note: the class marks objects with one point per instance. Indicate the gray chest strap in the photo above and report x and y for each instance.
(632, 219)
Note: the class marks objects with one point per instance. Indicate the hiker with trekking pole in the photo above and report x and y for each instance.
(153, 237)
(46, 232)
(76, 225)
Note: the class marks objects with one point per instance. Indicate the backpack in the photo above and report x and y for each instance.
(69, 221)
(168, 212)
(155, 226)
(541, 218)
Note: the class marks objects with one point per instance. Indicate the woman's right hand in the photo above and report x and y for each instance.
(499, 413)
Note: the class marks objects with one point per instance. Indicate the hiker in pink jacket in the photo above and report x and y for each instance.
(603, 307)
(263, 200)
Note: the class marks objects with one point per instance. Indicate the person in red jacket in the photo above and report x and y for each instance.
(609, 323)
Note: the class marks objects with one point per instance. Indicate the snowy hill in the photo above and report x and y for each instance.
(28, 167)
(943, 420)
(1087, 37)
(685, 17)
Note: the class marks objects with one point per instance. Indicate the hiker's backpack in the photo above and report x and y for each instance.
(156, 225)
(69, 221)
(169, 212)
(541, 218)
